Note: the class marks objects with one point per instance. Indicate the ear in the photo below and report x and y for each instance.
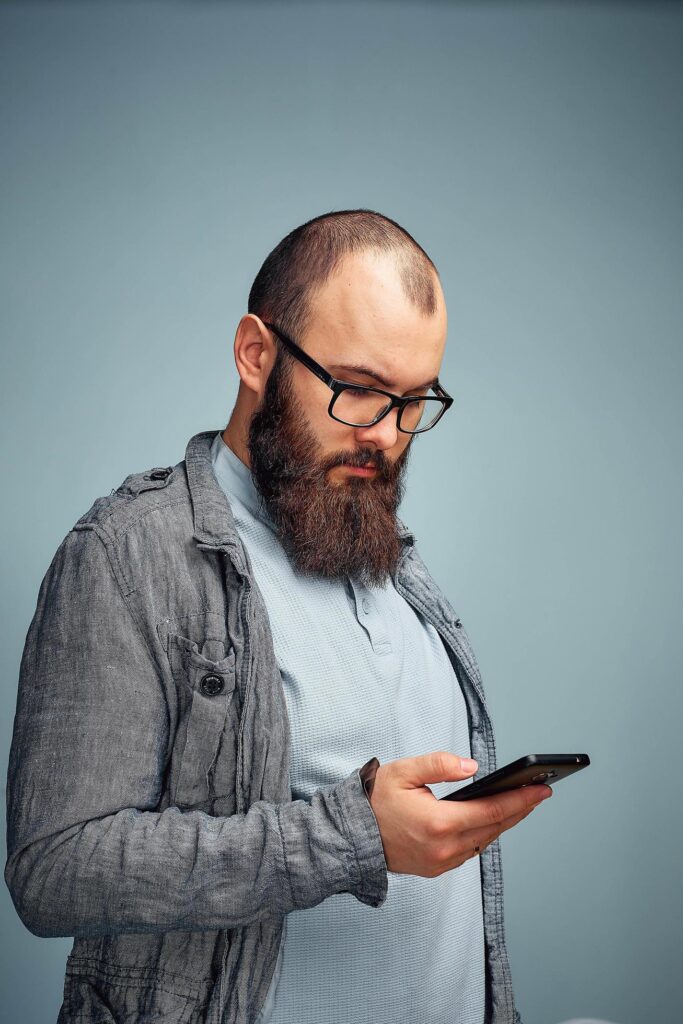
(254, 353)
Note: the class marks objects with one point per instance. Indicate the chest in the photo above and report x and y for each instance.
(364, 674)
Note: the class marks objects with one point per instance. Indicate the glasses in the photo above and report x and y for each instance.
(359, 406)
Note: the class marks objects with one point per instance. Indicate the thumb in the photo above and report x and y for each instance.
(437, 766)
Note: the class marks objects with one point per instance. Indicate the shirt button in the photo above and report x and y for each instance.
(211, 685)
(365, 605)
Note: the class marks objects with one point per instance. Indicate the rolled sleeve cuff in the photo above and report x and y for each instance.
(364, 834)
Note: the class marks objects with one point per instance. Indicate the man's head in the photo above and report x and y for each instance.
(361, 297)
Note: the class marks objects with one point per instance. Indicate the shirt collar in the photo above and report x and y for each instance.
(235, 478)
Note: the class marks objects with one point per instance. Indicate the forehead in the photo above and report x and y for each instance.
(362, 315)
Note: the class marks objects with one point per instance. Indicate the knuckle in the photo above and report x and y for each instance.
(496, 811)
(437, 829)
(440, 856)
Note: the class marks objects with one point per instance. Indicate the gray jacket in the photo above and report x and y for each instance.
(149, 809)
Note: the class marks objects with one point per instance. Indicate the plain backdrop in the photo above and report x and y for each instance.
(154, 153)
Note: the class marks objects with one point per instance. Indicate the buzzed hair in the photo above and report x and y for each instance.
(308, 256)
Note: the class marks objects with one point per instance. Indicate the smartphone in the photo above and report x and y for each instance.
(525, 771)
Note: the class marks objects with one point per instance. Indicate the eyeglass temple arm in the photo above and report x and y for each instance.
(303, 357)
(442, 393)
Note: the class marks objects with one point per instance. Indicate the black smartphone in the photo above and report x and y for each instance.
(525, 771)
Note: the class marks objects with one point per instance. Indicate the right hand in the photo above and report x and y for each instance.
(425, 836)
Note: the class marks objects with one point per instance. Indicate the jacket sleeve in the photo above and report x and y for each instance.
(87, 853)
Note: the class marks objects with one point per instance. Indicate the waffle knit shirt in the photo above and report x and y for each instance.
(363, 674)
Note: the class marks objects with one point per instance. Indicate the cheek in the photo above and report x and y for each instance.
(403, 443)
(314, 398)
(330, 435)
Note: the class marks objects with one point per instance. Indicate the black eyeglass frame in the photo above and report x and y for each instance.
(339, 386)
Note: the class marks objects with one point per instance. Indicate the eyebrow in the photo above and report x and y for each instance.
(365, 371)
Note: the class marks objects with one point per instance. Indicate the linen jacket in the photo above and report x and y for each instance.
(149, 809)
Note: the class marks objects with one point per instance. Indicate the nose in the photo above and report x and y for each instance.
(383, 435)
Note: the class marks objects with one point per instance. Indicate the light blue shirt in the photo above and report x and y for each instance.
(363, 674)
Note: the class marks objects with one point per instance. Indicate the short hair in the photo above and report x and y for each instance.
(308, 256)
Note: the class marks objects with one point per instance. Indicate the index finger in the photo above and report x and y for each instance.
(489, 810)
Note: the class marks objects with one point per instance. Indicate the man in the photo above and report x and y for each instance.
(219, 645)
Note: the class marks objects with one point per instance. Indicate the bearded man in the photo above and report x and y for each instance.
(240, 681)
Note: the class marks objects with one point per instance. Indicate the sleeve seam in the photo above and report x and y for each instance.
(114, 564)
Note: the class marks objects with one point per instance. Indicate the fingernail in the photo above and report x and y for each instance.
(468, 764)
(546, 793)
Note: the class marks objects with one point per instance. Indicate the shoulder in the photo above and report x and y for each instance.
(142, 533)
(142, 527)
(161, 489)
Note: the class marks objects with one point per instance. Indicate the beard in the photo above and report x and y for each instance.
(326, 529)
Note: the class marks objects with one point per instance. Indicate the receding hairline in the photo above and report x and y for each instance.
(408, 270)
(310, 255)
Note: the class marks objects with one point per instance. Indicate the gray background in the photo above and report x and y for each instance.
(154, 153)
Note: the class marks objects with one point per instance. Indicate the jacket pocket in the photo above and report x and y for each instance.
(95, 994)
(207, 728)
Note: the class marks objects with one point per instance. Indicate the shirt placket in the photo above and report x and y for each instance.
(370, 618)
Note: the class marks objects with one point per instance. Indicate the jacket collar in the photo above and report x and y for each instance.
(214, 523)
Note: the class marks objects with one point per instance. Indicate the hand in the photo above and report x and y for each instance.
(425, 836)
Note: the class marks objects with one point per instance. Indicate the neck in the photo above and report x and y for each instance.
(235, 438)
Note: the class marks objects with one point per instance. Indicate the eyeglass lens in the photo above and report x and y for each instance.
(361, 408)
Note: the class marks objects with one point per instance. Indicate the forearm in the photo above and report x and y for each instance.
(144, 871)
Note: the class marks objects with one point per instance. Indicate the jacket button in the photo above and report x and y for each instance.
(211, 684)
(458, 624)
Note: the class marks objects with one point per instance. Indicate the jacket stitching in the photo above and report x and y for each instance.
(136, 974)
(117, 531)
(134, 984)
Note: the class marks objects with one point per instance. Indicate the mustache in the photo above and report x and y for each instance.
(359, 460)
(297, 464)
